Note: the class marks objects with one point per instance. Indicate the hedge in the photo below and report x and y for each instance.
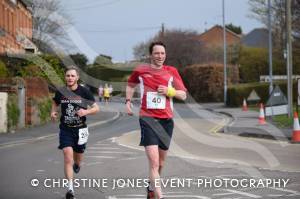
(236, 93)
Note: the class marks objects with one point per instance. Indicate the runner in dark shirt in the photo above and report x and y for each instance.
(76, 102)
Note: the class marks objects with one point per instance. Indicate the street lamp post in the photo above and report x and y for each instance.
(225, 56)
(289, 59)
(270, 48)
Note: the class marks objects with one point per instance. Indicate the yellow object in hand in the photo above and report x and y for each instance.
(171, 91)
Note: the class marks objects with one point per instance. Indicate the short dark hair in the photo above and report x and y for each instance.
(160, 43)
(71, 67)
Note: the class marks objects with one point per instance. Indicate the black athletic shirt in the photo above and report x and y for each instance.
(72, 101)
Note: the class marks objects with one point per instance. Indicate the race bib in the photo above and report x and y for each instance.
(83, 136)
(155, 101)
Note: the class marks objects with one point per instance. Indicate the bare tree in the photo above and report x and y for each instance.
(50, 22)
(259, 9)
(140, 51)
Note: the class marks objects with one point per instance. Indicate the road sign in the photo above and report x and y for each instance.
(253, 96)
(277, 103)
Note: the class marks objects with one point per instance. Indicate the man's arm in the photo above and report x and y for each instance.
(93, 109)
(129, 95)
(54, 112)
(179, 94)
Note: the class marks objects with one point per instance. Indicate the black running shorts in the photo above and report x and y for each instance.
(69, 138)
(156, 131)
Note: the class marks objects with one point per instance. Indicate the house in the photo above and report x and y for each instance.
(15, 27)
(214, 37)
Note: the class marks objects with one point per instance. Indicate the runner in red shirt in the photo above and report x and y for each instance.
(158, 85)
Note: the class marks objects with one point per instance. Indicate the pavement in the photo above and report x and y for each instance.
(245, 123)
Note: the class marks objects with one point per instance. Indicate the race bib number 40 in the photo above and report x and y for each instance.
(83, 136)
(155, 101)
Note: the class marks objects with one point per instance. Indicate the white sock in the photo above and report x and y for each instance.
(70, 187)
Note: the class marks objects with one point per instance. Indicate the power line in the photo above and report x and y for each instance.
(93, 6)
(85, 3)
(122, 30)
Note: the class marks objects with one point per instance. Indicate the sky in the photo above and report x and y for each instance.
(114, 27)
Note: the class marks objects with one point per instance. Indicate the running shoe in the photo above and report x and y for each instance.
(150, 194)
(76, 168)
(70, 195)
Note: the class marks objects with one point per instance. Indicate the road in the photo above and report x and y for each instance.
(199, 157)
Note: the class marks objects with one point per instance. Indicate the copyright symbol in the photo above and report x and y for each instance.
(35, 182)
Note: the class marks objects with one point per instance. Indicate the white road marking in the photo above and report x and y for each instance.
(294, 193)
(243, 193)
(230, 176)
(101, 144)
(130, 196)
(104, 157)
(117, 152)
(103, 148)
(40, 171)
(275, 195)
(93, 163)
(51, 136)
(26, 141)
(133, 158)
(222, 194)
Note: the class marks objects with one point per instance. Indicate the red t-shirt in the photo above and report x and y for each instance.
(152, 104)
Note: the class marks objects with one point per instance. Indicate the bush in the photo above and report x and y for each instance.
(3, 70)
(13, 111)
(44, 106)
(253, 63)
(33, 67)
(236, 93)
(205, 82)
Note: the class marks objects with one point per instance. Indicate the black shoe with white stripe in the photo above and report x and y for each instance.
(70, 195)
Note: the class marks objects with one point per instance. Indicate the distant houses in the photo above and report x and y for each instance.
(213, 37)
(257, 38)
(15, 27)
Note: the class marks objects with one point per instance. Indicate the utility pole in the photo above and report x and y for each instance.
(270, 48)
(225, 56)
(162, 33)
(289, 57)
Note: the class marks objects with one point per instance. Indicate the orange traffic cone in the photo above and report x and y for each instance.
(296, 131)
(245, 107)
(261, 118)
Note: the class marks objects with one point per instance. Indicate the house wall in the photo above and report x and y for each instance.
(214, 37)
(14, 19)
